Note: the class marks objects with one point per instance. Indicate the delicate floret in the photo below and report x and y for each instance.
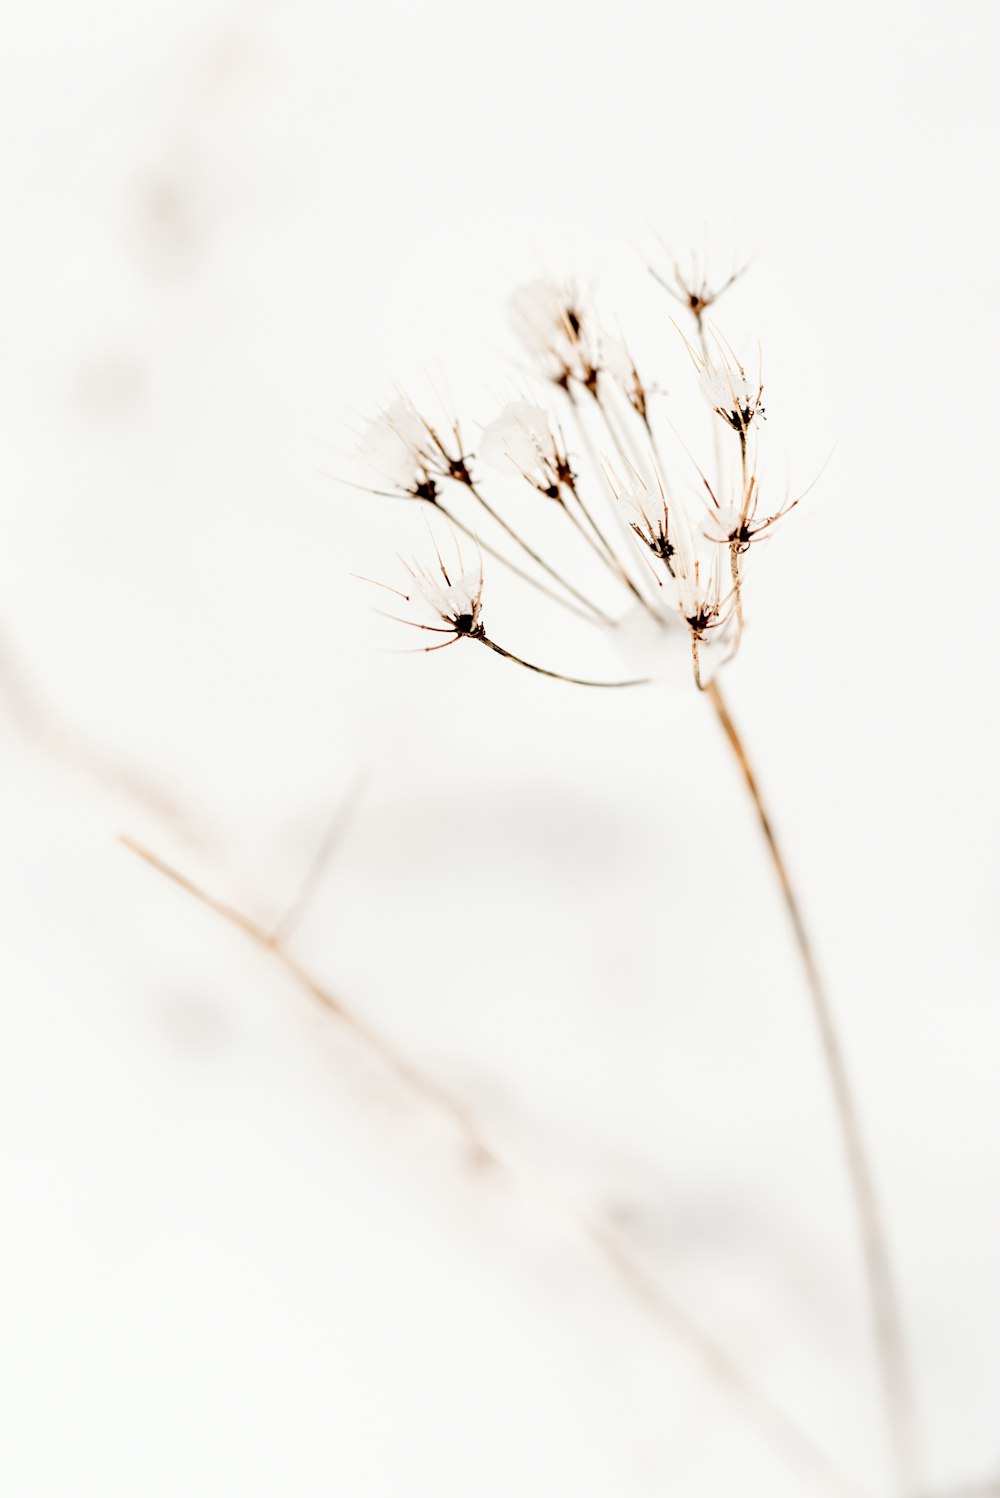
(522, 441)
(551, 325)
(405, 450)
(646, 511)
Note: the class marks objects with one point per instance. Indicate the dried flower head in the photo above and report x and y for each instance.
(619, 364)
(553, 328)
(724, 384)
(736, 522)
(703, 604)
(648, 548)
(692, 287)
(456, 599)
(522, 441)
(647, 512)
(406, 451)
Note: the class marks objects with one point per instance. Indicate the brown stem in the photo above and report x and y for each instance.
(595, 463)
(883, 1299)
(590, 614)
(696, 662)
(603, 547)
(539, 561)
(716, 429)
(576, 681)
(734, 567)
(768, 1417)
(404, 1071)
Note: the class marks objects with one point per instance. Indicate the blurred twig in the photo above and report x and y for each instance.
(37, 724)
(712, 1355)
(341, 820)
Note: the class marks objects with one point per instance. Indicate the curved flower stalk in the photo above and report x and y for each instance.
(704, 1348)
(673, 557)
(456, 602)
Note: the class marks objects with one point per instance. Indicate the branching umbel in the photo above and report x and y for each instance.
(674, 546)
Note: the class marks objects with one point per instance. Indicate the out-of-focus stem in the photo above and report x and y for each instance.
(716, 428)
(883, 1299)
(767, 1417)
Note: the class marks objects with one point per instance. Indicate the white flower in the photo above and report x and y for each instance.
(403, 447)
(397, 446)
(454, 598)
(655, 645)
(616, 359)
(647, 513)
(735, 522)
(548, 321)
(692, 288)
(521, 441)
(701, 600)
(728, 391)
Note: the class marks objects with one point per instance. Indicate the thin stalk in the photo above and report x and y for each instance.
(598, 543)
(696, 662)
(734, 567)
(576, 681)
(595, 463)
(539, 561)
(883, 1299)
(716, 428)
(300, 901)
(717, 1362)
(590, 614)
(620, 437)
(593, 537)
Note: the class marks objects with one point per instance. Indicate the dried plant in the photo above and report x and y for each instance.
(608, 1248)
(673, 545)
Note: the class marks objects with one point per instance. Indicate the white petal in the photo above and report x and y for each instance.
(537, 311)
(725, 389)
(658, 648)
(618, 361)
(388, 454)
(517, 440)
(410, 426)
(448, 600)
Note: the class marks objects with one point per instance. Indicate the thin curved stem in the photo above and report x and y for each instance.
(589, 615)
(538, 560)
(716, 429)
(715, 1359)
(883, 1298)
(602, 547)
(576, 681)
(584, 435)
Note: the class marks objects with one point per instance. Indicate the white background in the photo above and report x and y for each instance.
(237, 1257)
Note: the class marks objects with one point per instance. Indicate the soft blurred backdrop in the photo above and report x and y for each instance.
(238, 1257)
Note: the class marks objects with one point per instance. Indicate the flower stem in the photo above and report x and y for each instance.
(539, 561)
(576, 681)
(883, 1298)
(588, 614)
(714, 1358)
(734, 567)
